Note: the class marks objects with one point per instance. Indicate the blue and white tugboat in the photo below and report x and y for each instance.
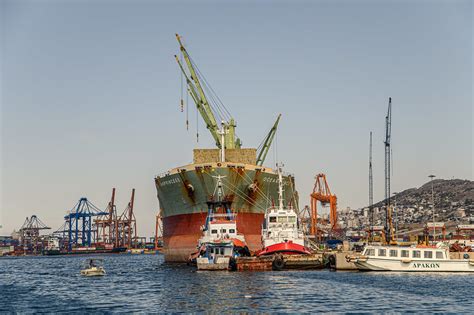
(220, 243)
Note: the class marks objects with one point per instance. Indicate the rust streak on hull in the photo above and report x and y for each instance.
(181, 233)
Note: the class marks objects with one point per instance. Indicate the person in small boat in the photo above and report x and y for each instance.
(91, 263)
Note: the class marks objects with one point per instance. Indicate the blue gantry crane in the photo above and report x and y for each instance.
(79, 223)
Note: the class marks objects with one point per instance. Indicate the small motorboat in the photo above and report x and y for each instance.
(93, 268)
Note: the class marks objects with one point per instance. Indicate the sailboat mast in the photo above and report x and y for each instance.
(388, 135)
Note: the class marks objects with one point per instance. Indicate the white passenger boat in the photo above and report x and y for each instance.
(413, 259)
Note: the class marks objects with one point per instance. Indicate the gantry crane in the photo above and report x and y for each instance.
(127, 226)
(107, 225)
(322, 193)
(78, 227)
(30, 234)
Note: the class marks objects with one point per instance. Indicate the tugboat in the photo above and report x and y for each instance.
(220, 243)
(281, 233)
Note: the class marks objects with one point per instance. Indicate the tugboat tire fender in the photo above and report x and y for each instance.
(278, 263)
(232, 264)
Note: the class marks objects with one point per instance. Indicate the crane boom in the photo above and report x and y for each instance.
(267, 142)
(199, 97)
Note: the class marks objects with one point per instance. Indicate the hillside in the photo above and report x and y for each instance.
(452, 198)
(446, 192)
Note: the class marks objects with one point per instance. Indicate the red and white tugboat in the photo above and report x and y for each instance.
(281, 232)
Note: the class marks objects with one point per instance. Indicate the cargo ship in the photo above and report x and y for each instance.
(185, 192)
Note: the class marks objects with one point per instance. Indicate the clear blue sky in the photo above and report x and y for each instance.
(90, 94)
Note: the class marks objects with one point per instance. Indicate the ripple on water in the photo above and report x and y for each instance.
(136, 283)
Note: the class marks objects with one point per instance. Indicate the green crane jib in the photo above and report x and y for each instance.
(197, 94)
(267, 142)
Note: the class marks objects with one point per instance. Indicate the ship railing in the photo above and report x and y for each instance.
(232, 216)
(283, 173)
(284, 208)
(163, 174)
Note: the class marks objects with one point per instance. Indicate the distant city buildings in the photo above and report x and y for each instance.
(406, 214)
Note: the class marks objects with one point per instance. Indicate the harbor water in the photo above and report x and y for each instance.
(144, 283)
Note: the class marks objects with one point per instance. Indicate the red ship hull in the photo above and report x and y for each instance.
(182, 232)
(286, 248)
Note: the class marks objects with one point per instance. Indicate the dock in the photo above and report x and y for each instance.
(280, 262)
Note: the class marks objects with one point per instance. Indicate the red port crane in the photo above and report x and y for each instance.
(127, 226)
(107, 224)
(322, 193)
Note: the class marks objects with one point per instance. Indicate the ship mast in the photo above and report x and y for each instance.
(280, 188)
(219, 189)
(195, 89)
(222, 132)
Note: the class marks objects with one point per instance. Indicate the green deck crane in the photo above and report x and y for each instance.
(227, 132)
(196, 91)
(267, 142)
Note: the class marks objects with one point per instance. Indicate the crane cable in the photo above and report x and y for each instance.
(248, 180)
(216, 104)
(237, 191)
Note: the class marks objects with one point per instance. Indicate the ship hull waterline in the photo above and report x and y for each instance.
(184, 192)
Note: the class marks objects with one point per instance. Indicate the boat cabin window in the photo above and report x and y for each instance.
(273, 219)
(211, 250)
(222, 251)
(439, 255)
(382, 252)
(370, 252)
(405, 253)
(393, 253)
(292, 219)
(282, 219)
(213, 231)
(428, 254)
(224, 231)
(231, 231)
(416, 254)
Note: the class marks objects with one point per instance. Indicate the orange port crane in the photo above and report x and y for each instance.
(322, 193)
